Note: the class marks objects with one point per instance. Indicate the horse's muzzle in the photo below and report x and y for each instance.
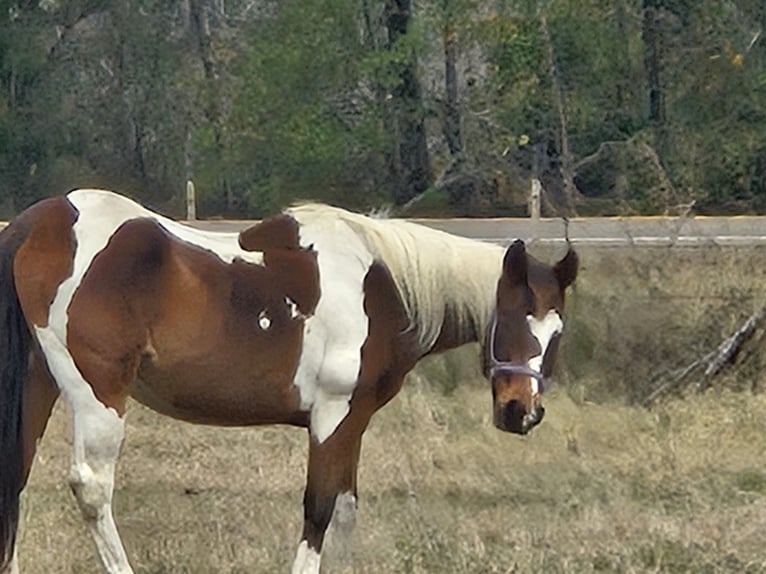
(513, 417)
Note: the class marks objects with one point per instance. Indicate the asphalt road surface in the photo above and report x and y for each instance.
(604, 231)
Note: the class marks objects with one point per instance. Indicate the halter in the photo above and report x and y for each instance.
(509, 367)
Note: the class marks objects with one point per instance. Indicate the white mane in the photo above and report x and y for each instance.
(439, 276)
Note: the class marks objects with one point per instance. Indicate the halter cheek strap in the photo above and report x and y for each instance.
(506, 368)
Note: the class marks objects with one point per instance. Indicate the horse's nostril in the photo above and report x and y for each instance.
(513, 416)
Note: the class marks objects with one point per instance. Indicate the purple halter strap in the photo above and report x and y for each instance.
(506, 368)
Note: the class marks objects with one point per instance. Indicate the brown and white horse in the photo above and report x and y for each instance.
(310, 318)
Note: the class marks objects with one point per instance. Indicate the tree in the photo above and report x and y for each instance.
(303, 123)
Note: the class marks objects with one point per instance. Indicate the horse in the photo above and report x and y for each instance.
(311, 318)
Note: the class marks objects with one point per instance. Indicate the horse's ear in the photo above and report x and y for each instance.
(515, 265)
(566, 269)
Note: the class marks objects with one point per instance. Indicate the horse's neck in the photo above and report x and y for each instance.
(469, 302)
(447, 283)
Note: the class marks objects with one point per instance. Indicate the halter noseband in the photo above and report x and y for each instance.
(507, 368)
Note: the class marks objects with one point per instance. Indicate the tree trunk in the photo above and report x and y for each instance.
(567, 163)
(451, 109)
(200, 25)
(653, 61)
(200, 30)
(129, 124)
(409, 163)
(623, 57)
(12, 87)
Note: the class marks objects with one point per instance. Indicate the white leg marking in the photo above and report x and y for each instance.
(344, 515)
(98, 435)
(340, 540)
(544, 330)
(92, 482)
(14, 566)
(306, 560)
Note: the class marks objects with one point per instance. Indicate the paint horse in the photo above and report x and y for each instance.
(310, 318)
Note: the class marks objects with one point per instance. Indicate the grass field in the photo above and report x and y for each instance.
(600, 486)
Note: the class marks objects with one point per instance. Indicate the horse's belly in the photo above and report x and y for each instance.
(220, 400)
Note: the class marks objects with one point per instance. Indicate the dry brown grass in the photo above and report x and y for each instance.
(598, 487)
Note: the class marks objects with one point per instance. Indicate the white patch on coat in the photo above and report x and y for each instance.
(264, 321)
(307, 560)
(544, 330)
(105, 211)
(293, 306)
(334, 335)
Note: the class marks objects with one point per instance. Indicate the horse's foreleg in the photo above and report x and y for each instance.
(330, 490)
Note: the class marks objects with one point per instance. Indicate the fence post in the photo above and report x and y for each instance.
(533, 204)
(191, 201)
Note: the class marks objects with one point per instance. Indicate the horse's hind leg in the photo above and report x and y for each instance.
(40, 394)
(13, 565)
(98, 434)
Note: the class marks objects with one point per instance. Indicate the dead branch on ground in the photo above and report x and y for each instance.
(713, 361)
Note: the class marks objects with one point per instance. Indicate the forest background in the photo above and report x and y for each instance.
(429, 107)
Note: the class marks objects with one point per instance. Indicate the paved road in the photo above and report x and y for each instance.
(604, 231)
(600, 231)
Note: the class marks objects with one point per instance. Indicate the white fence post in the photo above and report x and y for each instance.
(191, 201)
(533, 205)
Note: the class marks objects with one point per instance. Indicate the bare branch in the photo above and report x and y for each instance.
(714, 360)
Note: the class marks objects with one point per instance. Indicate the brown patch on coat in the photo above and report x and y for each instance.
(276, 232)
(389, 351)
(454, 332)
(277, 237)
(46, 257)
(187, 326)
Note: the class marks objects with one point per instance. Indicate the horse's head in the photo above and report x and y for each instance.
(523, 337)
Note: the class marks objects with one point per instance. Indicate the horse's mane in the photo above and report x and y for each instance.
(435, 273)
